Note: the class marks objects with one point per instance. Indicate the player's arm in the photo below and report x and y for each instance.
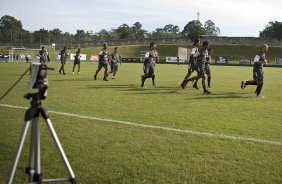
(258, 60)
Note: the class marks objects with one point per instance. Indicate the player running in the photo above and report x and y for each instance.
(103, 62)
(76, 61)
(115, 60)
(63, 54)
(207, 70)
(192, 64)
(201, 56)
(258, 76)
(151, 58)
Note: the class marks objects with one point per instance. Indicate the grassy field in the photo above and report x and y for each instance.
(150, 135)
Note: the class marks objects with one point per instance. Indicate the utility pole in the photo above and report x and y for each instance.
(198, 16)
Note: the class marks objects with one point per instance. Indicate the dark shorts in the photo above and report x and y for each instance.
(114, 67)
(201, 70)
(207, 70)
(63, 62)
(192, 67)
(258, 74)
(149, 69)
(102, 64)
(76, 62)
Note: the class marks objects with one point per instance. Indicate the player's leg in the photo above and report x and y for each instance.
(78, 69)
(105, 73)
(208, 72)
(98, 70)
(73, 68)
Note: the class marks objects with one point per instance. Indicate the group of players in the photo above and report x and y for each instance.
(199, 61)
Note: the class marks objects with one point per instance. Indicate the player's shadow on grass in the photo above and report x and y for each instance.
(111, 86)
(72, 79)
(228, 95)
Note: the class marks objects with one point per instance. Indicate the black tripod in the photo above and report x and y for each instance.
(34, 168)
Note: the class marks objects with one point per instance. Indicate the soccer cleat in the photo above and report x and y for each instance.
(72, 72)
(113, 77)
(60, 71)
(95, 77)
(78, 72)
(64, 73)
(243, 85)
(209, 87)
(207, 92)
(196, 87)
(260, 96)
(154, 85)
(105, 79)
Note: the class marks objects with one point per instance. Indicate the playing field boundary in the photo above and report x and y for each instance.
(222, 136)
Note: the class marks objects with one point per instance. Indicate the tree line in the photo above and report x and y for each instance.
(11, 31)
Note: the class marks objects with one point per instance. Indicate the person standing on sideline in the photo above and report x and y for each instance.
(76, 62)
(258, 76)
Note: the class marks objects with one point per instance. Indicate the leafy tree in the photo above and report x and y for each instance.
(124, 32)
(193, 29)
(137, 30)
(211, 29)
(273, 30)
(10, 28)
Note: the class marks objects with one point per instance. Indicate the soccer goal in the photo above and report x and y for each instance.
(23, 55)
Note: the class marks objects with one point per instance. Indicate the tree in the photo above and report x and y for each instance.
(193, 29)
(137, 30)
(273, 30)
(171, 29)
(211, 29)
(124, 32)
(11, 29)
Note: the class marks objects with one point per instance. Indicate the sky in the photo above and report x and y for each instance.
(232, 17)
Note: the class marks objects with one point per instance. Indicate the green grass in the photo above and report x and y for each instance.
(109, 152)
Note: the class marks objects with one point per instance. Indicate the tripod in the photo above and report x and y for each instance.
(34, 169)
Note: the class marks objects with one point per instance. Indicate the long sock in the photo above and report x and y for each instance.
(209, 81)
(258, 90)
(153, 79)
(250, 83)
(204, 87)
(195, 83)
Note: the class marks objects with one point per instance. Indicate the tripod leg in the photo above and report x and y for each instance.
(61, 151)
(18, 152)
(34, 169)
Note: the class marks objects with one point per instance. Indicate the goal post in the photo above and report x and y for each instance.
(20, 54)
(183, 53)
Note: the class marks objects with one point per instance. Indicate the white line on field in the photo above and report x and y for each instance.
(237, 138)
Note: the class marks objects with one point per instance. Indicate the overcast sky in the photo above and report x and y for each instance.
(233, 17)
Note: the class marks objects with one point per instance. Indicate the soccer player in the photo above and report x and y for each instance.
(76, 61)
(43, 55)
(192, 64)
(63, 54)
(115, 59)
(259, 61)
(103, 62)
(207, 68)
(151, 58)
(201, 56)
